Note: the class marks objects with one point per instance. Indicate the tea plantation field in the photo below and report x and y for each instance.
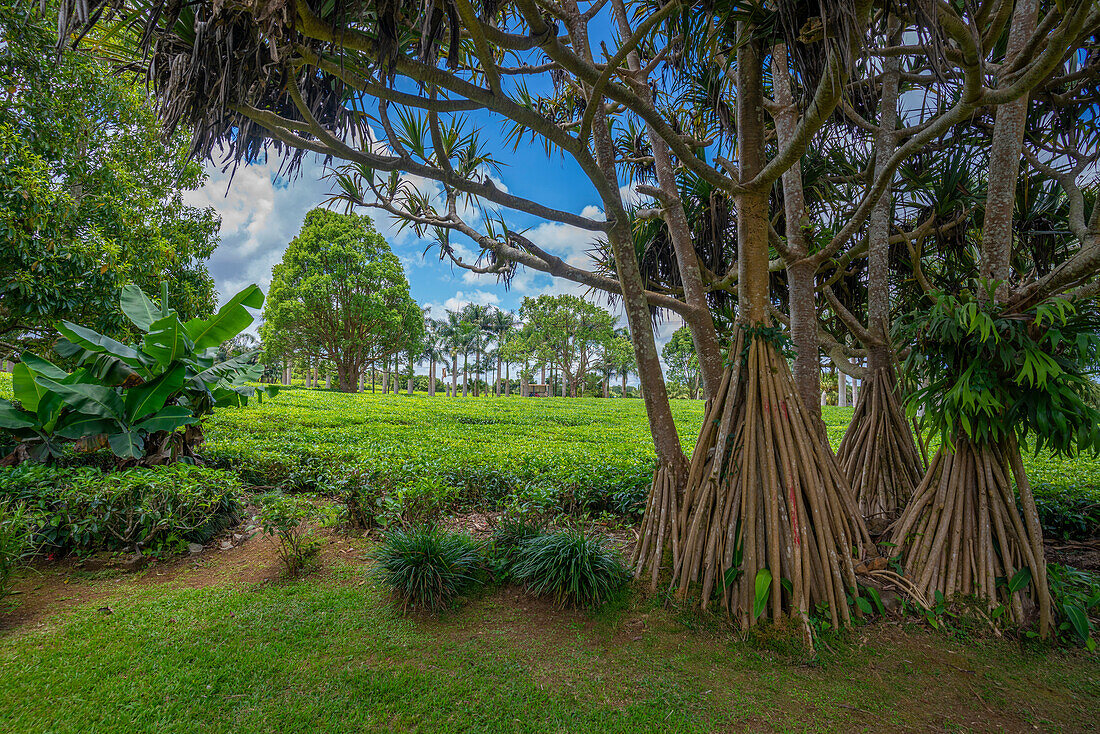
(597, 452)
(585, 453)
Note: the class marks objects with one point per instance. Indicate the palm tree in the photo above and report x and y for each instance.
(501, 326)
(435, 349)
(476, 317)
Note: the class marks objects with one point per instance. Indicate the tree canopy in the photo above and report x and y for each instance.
(91, 192)
(341, 295)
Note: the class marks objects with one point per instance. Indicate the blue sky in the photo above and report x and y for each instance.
(262, 212)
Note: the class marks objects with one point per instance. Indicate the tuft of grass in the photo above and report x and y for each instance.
(427, 567)
(574, 568)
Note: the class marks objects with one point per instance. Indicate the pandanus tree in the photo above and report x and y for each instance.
(761, 517)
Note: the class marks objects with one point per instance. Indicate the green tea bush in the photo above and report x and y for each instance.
(16, 540)
(420, 502)
(1067, 513)
(84, 509)
(426, 566)
(285, 518)
(363, 498)
(574, 568)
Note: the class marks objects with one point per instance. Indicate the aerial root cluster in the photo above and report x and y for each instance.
(878, 454)
(763, 491)
(962, 536)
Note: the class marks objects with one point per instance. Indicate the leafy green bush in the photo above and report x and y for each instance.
(16, 540)
(84, 509)
(1076, 597)
(420, 502)
(1067, 513)
(574, 568)
(363, 498)
(133, 399)
(427, 567)
(284, 517)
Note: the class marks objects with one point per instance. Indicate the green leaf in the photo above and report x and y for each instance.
(80, 426)
(167, 340)
(138, 307)
(44, 367)
(1020, 580)
(95, 400)
(127, 445)
(168, 419)
(26, 390)
(150, 397)
(763, 585)
(93, 341)
(1080, 621)
(13, 418)
(863, 604)
(230, 320)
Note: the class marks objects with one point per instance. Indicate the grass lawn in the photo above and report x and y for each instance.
(223, 644)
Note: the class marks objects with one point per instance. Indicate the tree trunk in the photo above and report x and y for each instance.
(699, 323)
(841, 389)
(800, 272)
(764, 496)
(624, 384)
(1004, 161)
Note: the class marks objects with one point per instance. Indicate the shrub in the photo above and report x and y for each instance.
(1067, 513)
(284, 518)
(363, 498)
(1076, 597)
(421, 502)
(504, 546)
(16, 540)
(427, 567)
(84, 509)
(574, 568)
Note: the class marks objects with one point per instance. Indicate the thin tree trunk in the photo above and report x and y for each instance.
(1004, 161)
(800, 272)
(699, 323)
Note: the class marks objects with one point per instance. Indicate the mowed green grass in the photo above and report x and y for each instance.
(334, 655)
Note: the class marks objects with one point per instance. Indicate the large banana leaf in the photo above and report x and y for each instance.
(230, 320)
(79, 426)
(93, 341)
(44, 367)
(93, 400)
(138, 307)
(13, 418)
(167, 340)
(128, 445)
(27, 391)
(168, 419)
(225, 369)
(150, 397)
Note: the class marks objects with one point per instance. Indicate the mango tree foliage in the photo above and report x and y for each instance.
(340, 294)
(91, 192)
(133, 398)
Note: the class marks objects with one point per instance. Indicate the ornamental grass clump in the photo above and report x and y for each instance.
(427, 567)
(575, 568)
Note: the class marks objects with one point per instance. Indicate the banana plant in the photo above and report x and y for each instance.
(134, 399)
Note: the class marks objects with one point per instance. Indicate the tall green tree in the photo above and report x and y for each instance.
(341, 294)
(567, 333)
(682, 361)
(91, 192)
